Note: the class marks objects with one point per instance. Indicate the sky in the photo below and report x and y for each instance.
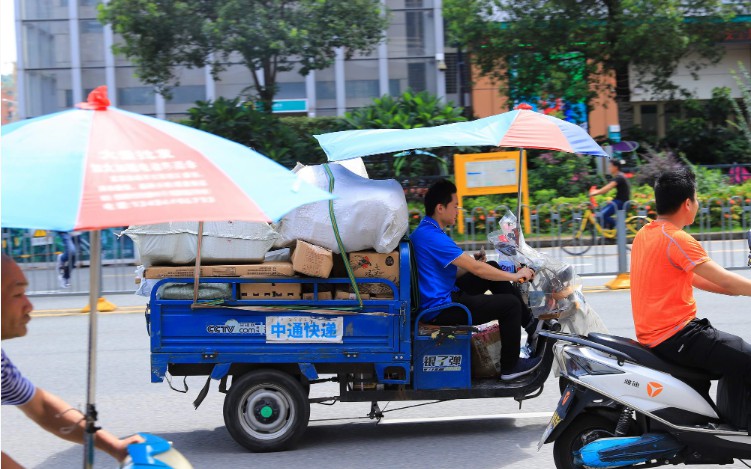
(7, 35)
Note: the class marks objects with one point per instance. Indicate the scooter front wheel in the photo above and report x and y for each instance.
(585, 428)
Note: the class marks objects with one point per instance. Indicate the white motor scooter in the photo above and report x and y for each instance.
(624, 406)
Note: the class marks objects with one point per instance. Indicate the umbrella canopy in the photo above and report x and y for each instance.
(520, 128)
(101, 167)
(98, 167)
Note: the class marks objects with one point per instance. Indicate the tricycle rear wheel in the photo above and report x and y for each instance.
(266, 410)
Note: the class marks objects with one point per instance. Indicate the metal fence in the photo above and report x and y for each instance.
(37, 252)
(720, 226)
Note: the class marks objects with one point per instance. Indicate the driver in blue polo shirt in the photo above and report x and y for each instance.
(447, 274)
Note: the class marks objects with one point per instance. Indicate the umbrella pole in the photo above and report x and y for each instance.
(95, 265)
(519, 191)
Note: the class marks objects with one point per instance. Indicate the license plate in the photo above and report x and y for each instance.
(560, 413)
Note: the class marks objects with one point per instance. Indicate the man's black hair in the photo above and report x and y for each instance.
(618, 163)
(439, 193)
(672, 188)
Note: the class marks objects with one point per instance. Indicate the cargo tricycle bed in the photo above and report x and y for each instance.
(266, 351)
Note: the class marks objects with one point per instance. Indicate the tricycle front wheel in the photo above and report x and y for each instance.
(266, 410)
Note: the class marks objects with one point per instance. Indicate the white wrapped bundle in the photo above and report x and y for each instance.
(224, 242)
(370, 214)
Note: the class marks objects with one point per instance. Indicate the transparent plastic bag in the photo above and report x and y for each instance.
(556, 290)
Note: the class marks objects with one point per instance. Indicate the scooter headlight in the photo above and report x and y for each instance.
(578, 365)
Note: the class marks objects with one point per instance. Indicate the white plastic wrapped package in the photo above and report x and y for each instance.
(225, 242)
(370, 214)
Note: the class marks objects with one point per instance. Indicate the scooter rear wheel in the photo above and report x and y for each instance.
(585, 428)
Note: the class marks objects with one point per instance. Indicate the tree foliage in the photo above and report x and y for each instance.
(704, 134)
(267, 36)
(238, 121)
(569, 48)
(743, 79)
(408, 111)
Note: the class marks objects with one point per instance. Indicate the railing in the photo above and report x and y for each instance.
(720, 226)
(37, 251)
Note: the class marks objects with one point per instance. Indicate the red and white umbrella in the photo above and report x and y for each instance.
(98, 167)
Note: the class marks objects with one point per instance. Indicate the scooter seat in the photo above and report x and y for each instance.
(644, 356)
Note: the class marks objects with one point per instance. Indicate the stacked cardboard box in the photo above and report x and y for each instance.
(268, 269)
(270, 291)
(371, 264)
(312, 260)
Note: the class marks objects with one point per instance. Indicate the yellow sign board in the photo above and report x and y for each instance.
(491, 173)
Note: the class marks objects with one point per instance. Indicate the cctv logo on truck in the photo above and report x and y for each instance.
(232, 326)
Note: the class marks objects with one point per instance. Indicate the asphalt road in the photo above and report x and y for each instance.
(488, 433)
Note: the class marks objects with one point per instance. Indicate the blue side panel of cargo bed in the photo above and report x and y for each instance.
(180, 334)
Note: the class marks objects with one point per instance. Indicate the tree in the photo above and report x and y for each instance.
(286, 140)
(572, 48)
(268, 36)
(409, 111)
(743, 79)
(706, 132)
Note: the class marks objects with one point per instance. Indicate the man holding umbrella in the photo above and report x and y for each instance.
(46, 409)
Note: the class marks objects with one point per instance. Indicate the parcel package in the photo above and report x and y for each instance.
(224, 242)
(370, 214)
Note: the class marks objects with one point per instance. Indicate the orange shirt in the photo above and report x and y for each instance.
(663, 258)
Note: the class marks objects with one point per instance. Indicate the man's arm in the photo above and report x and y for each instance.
(712, 277)
(481, 269)
(57, 417)
(9, 463)
(604, 189)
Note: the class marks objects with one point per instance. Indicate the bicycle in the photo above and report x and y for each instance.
(579, 234)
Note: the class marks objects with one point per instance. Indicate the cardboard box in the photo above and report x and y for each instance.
(270, 291)
(371, 264)
(322, 295)
(312, 260)
(346, 295)
(486, 351)
(267, 269)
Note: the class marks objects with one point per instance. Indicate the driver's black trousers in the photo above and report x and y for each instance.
(504, 304)
(700, 345)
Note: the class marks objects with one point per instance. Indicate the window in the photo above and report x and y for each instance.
(135, 96)
(188, 94)
(416, 76)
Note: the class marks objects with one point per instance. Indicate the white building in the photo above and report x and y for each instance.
(64, 52)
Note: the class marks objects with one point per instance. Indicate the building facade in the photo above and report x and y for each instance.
(64, 52)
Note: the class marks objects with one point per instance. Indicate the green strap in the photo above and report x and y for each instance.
(339, 243)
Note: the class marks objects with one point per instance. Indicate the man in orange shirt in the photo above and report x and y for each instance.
(666, 264)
